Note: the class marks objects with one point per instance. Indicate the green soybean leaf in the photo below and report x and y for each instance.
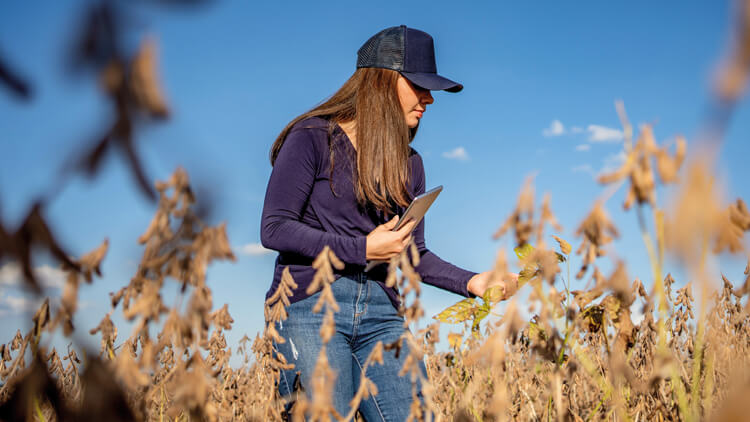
(480, 314)
(523, 251)
(493, 295)
(527, 274)
(458, 312)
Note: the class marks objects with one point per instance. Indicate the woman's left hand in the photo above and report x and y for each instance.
(483, 281)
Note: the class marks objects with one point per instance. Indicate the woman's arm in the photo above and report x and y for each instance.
(483, 281)
(288, 191)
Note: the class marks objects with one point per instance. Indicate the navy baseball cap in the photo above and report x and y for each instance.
(408, 51)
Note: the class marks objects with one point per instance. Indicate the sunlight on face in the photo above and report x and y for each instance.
(413, 100)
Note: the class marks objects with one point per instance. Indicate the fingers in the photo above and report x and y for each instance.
(384, 243)
(406, 230)
(391, 223)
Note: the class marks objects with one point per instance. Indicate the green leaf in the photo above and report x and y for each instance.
(523, 251)
(527, 274)
(478, 317)
(486, 306)
(493, 295)
(458, 312)
(594, 315)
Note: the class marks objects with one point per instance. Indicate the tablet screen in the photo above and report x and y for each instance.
(418, 207)
(415, 212)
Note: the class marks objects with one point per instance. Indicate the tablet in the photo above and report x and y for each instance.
(418, 207)
(415, 212)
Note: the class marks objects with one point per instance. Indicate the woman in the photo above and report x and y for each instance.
(342, 173)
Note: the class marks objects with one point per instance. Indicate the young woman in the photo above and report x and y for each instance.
(342, 174)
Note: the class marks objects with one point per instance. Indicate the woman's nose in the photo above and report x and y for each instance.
(427, 97)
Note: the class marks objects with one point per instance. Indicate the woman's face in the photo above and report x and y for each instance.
(413, 100)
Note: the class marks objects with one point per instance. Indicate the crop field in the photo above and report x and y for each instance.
(580, 357)
(620, 349)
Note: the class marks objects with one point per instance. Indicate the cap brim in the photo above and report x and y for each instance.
(433, 82)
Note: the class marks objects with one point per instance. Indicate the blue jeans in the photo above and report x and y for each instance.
(366, 316)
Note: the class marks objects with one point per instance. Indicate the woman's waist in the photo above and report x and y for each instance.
(303, 275)
(302, 270)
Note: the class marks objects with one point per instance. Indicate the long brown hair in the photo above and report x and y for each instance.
(370, 99)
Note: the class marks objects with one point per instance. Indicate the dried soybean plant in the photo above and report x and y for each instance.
(568, 355)
(187, 363)
(129, 81)
(179, 371)
(672, 364)
(669, 363)
(613, 350)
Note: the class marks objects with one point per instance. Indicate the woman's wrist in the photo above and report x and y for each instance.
(476, 284)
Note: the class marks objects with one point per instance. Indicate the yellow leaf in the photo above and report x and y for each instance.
(527, 274)
(494, 294)
(523, 251)
(457, 313)
(594, 315)
(455, 340)
(612, 306)
(478, 317)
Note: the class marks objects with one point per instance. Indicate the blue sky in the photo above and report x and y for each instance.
(540, 83)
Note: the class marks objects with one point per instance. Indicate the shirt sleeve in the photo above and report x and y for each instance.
(431, 268)
(288, 191)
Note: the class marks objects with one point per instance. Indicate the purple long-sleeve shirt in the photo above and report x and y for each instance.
(306, 208)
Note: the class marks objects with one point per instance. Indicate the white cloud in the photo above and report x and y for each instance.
(555, 128)
(457, 154)
(48, 276)
(51, 277)
(583, 147)
(604, 134)
(254, 249)
(576, 129)
(18, 304)
(10, 274)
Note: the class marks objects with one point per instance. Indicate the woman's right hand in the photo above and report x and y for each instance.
(383, 243)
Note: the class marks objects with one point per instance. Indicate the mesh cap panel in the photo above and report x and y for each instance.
(384, 49)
